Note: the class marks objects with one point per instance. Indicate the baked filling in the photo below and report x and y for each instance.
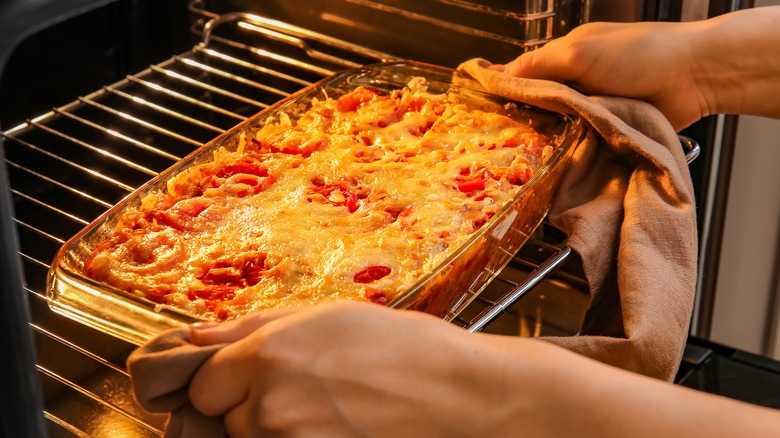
(357, 199)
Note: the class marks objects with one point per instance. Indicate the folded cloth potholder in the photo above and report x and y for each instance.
(161, 371)
(628, 207)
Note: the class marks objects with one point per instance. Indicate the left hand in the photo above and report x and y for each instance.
(342, 369)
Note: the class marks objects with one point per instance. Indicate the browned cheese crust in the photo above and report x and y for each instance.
(357, 199)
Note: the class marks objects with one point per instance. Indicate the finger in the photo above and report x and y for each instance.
(232, 331)
(497, 67)
(222, 382)
(543, 63)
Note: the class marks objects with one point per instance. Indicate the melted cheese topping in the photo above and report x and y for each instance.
(356, 200)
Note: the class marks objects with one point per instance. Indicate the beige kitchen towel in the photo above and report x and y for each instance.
(627, 204)
(161, 370)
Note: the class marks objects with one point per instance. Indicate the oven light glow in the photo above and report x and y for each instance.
(137, 99)
(173, 74)
(257, 18)
(267, 32)
(346, 22)
(17, 127)
(42, 117)
(117, 134)
(26, 124)
(269, 22)
(154, 86)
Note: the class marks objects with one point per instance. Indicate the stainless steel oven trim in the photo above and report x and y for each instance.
(547, 15)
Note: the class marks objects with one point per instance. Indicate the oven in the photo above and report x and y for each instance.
(97, 97)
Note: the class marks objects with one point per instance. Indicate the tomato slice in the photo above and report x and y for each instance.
(372, 273)
(182, 214)
(235, 274)
(470, 182)
(377, 296)
(349, 197)
(472, 185)
(253, 270)
(159, 293)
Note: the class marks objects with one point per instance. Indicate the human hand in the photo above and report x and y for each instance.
(341, 369)
(725, 65)
(358, 369)
(647, 61)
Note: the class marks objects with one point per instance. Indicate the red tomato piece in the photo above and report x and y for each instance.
(180, 216)
(510, 143)
(472, 185)
(376, 296)
(419, 131)
(250, 174)
(222, 313)
(218, 309)
(159, 293)
(469, 182)
(372, 273)
(253, 270)
(350, 198)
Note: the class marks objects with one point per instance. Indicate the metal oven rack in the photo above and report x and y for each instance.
(69, 165)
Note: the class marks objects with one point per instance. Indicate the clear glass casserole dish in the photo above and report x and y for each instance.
(443, 291)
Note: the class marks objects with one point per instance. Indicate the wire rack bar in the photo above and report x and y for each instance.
(162, 109)
(101, 151)
(92, 396)
(68, 162)
(497, 308)
(145, 124)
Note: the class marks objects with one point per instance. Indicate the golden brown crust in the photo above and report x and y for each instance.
(356, 200)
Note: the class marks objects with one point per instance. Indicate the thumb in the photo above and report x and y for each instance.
(543, 63)
(231, 331)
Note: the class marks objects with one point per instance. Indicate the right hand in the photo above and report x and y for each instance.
(725, 65)
(647, 61)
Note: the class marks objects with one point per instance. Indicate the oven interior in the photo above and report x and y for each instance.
(124, 110)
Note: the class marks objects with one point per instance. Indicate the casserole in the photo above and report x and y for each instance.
(443, 290)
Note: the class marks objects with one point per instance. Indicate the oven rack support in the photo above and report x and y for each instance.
(558, 256)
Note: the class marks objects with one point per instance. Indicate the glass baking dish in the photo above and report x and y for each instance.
(444, 291)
